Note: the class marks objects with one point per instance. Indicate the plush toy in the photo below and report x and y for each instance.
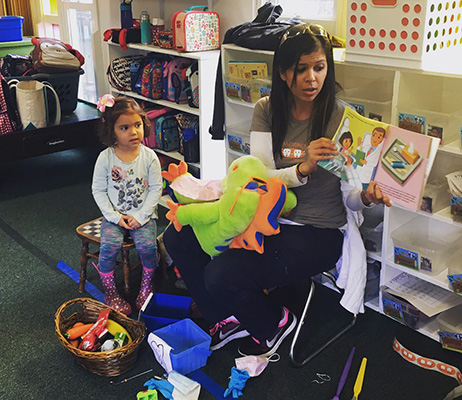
(247, 209)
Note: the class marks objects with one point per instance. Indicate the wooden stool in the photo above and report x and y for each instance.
(89, 232)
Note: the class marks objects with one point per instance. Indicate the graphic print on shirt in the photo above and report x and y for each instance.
(293, 150)
(130, 188)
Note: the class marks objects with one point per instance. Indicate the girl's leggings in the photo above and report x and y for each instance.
(233, 282)
(112, 238)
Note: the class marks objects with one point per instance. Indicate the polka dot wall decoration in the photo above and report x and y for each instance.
(403, 32)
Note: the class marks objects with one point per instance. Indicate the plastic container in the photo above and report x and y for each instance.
(11, 28)
(455, 272)
(23, 47)
(190, 346)
(165, 309)
(450, 328)
(248, 90)
(238, 138)
(425, 244)
(145, 25)
(402, 311)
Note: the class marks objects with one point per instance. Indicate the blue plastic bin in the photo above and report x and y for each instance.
(11, 28)
(165, 309)
(190, 345)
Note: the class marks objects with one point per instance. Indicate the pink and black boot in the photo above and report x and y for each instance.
(145, 288)
(111, 296)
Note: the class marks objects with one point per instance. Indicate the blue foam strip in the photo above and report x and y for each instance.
(89, 288)
(208, 384)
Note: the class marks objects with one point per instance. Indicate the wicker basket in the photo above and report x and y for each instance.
(108, 363)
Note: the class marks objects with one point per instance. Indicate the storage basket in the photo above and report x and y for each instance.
(108, 363)
(65, 84)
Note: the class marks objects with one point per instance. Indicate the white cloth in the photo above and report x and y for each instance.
(352, 264)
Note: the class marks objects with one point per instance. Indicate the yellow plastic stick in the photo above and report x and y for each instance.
(359, 379)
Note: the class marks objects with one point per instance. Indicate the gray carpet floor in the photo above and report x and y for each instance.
(43, 200)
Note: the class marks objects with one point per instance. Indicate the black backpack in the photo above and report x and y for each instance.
(9, 115)
(16, 65)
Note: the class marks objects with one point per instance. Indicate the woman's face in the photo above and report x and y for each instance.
(311, 74)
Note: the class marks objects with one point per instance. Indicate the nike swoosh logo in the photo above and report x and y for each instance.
(272, 342)
(224, 336)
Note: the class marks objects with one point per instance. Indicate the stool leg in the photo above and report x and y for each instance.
(126, 271)
(83, 265)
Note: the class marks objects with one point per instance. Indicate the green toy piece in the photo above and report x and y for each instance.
(247, 210)
(150, 394)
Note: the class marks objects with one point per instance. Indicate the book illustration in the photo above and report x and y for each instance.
(411, 122)
(400, 160)
(248, 69)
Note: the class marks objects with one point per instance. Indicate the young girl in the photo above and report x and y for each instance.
(127, 185)
(290, 132)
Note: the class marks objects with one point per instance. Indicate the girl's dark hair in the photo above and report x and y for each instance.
(345, 135)
(287, 55)
(122, 105)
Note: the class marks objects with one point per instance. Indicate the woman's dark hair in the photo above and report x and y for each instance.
(345, 135)
(122, 105)
(287, 55)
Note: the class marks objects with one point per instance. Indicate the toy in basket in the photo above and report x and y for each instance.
(104, 363)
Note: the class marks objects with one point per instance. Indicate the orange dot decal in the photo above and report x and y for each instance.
(381, 45)
(354, 6)
(403, 35)
(417, 8)
(364, 6)
(371, 45)
(414, 49)
(406, 8)
(416, 21)
(405, 21)
(353, 30)
(363, 19)
(415, 35)
(393, 34)
(403, 48)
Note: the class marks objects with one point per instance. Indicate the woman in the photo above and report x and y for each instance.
(290, 132)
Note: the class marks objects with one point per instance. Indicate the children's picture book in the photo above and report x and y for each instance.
(399, 160)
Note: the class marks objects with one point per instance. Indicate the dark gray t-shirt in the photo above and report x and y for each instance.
(319, 202)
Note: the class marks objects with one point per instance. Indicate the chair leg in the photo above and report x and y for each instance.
(302, 321)
(83, 266)
(126, 271)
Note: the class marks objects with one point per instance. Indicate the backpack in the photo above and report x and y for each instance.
(150, 140)
(51, 55)
(167, 133)
(118, 72)
(151, 80)
(192, 74)
(16, 65)
(174, 82)
(9, 115)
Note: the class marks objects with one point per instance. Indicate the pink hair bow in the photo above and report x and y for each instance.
(105, 101)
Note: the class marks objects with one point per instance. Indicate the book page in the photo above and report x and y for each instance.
(402, 170)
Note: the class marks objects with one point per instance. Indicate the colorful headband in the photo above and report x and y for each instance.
(105, 101)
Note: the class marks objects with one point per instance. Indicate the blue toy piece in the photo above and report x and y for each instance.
(237, 382)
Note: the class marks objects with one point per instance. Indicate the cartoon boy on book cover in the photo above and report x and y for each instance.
(366, 165)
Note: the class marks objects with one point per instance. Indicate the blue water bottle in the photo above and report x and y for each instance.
(145, 25)
(126, 16)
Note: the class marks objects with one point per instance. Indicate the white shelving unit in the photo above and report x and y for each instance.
(212, 163)
(387, 91)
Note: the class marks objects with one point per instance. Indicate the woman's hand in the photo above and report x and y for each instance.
(319, 149)
(373, 194)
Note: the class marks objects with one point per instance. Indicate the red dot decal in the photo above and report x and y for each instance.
(362, 43)
(362, 31)
(415, 35)
(405, 21)
(416, 21)
(364, 6)
(403, 48)
(393, 33)
(381, 45)
(363, 19)
(353, 19)
(382, 33)
(352, 43)
(414, 48)
(403, 35)
(354, 6)
(417, 8)
(353, 30)
(450, 31)
(406, 8)
(371, 45)
(392, 46)
(372, 32)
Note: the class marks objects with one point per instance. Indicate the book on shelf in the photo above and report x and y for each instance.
(399, 160)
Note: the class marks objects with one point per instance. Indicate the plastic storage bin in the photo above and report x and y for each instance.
(190, 346)
(238, 138)
(23, 47)
(455, 271)
(425, 244)
(450, 326)
(65, 84)
(248, 90)
(165, 309)
(11, 28)
(402, 311)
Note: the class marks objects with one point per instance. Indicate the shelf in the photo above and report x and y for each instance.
(443, 215)
(452, 148)
(180, 107)
(440, 279)
(373, 304)
(430, 329)
(375, 255)
(176, 156)
(240, 102)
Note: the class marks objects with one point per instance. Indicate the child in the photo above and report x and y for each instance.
(127, 185)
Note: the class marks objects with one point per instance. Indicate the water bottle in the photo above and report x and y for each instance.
(145, 24)
(126, 16)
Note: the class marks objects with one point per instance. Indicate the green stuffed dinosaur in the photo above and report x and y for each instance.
(247, 209)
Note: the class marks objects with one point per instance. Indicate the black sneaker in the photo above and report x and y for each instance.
(265, 348)
(225, 331)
